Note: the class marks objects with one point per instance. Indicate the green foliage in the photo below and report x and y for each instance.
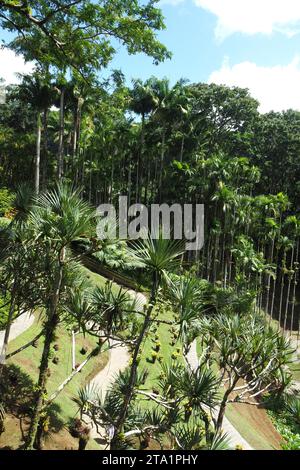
(115, 255)
(4, 222)
(288, 428)
(292, 407)
(6, 201)
(81, 27)
(4, 310)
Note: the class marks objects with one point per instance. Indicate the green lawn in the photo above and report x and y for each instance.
(29, 359)
(98, 280)
(164, 337)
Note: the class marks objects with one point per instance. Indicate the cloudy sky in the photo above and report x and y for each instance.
(249, 43)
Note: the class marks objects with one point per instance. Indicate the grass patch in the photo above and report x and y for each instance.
(157, 334)
(96, 280)
(29, 360)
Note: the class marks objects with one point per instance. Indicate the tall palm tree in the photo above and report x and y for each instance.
(142, 103)
(37, 90)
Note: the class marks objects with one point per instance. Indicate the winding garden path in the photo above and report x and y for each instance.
(19, 326)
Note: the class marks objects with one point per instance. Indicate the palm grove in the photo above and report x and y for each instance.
(70, 140)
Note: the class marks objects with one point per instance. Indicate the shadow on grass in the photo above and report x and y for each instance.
(17, 392)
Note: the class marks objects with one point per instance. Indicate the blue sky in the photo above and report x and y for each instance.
(197, 52)
(248, 43)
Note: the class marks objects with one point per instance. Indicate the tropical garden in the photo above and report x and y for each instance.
(139, 344)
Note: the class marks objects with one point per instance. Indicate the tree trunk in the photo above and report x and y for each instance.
(50, 329)
(71, 376)
(45, 148)
(25, 346)
(8, 325)
(181, 149)
(223, 405)
(77, 126)
(162, 158)
(288, 290)
(296, 268)
(38, 154)
(82, 443)
(61, 134)
(281, 289)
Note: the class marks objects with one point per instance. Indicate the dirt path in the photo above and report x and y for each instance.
(21, 324)
(118, 361)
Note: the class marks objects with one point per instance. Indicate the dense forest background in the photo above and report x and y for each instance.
(155, 143)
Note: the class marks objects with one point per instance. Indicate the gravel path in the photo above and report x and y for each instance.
(19, 326)
(234, 436)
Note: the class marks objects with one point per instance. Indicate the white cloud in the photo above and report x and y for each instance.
(254, 16)
(276, 88)
(11, 64)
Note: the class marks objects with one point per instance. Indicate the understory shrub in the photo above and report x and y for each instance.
(4, 222)
(6, 201)
(285, 416)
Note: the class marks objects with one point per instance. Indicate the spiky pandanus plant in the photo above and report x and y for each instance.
(59, 218)
(186, 294)
(17, 256)
(158, 256)
(199, 388)
(292, 407)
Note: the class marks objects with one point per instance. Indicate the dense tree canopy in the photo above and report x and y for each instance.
(81, 34)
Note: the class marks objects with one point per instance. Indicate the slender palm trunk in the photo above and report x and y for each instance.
(38, 154)
(288, 290)
(162, 158)
(129, 180)
(77, 128)
(274, 284)
(294, 286)
(139, 161)
(45, 148)
(282, 287)
(182, 149)
(269, 277)
(60, 162)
